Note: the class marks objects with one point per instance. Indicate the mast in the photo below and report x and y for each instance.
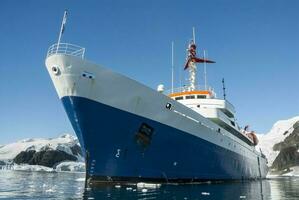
(62, 28)
(193, 30)
(172, 67)
(205, 69)
(192, 78)
(192, 67)
(223, 88)
(191, 61)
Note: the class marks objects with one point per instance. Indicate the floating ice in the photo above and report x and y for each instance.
(70, 166)
(35, 168)
(80, 179)
(205, 193)
(294, 171)
(144, 190)
(50, 190)
(148, 185)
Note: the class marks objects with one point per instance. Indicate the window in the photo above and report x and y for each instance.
(179, 98)
(168, 106)
(190, 97)
(232, 123)
(201, 96)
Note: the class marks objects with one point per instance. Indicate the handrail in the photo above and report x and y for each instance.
(66, 49)
(186, 88)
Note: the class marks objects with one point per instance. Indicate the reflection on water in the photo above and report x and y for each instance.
(37, 185)
(285, 188)
(224, 190)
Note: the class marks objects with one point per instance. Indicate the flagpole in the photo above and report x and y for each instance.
(61, 28)
(193, 30)
(205, 69)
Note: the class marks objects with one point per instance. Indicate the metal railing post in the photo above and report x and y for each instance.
(66, 46)
(67, 49)
(83, 53)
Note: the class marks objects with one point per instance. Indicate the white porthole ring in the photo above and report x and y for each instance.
(55, 70)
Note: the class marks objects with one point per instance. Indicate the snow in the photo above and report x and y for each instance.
(63, 143)
(62, 147)
(62, 167)
(294, 172)
(275, 135)
(70, 166)
(35, 168)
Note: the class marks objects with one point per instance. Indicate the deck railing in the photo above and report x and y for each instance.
(66, 49)
(187, 88)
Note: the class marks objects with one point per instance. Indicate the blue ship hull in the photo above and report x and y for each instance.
(115, 150)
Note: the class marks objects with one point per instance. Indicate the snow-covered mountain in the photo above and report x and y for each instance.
(63, 143)
(62, 153)
(277, 141)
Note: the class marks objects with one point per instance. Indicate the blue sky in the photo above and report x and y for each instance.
(255, 44)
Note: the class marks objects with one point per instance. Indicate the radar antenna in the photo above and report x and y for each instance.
(191, 62)
(223, 88)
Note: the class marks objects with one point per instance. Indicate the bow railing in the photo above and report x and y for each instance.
(66, 49)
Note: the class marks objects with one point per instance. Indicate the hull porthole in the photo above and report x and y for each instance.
(55, 70)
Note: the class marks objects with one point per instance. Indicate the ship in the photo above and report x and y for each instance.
(130, 132)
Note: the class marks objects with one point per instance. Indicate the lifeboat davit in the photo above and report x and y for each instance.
(253, 137)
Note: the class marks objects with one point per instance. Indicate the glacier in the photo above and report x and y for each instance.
(277, 135)
(280, 130)
(64, 143)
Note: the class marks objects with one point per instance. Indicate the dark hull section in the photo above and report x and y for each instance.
(102, 180)
(121, 146)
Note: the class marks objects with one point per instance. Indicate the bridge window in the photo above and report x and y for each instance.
(190, 97)
(232, 123)
(201, 96)
(179, 98)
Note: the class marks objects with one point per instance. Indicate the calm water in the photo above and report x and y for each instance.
(42, 185)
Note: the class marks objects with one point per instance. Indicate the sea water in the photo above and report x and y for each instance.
(52, 185)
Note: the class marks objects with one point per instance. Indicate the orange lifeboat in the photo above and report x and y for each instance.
(253, 137)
